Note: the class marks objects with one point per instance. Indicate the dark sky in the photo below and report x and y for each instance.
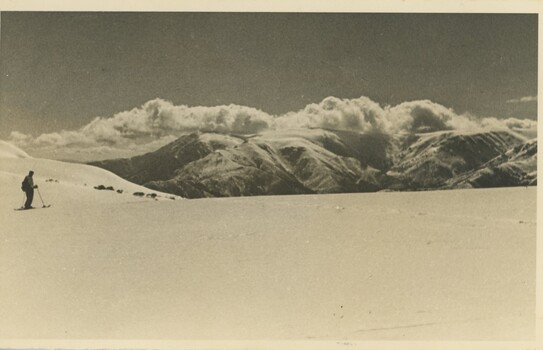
(60, 70)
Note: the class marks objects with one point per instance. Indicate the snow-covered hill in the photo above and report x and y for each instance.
(304, 161)
(7, 150)
(441, 265)
(59, 181)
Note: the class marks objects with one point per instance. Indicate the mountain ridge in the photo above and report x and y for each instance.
(304, 161)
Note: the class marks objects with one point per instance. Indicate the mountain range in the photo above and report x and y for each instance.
(305, 161)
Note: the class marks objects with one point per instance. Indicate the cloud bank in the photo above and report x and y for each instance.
(523, 99)
(159, 122)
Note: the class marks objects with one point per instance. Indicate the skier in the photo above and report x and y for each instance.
(28, 187)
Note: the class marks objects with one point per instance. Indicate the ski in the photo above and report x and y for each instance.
(23, 208)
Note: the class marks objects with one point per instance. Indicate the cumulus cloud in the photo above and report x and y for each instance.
(20, 139)
(146, 128)
(523, 99)
(360, 114)
(426, 116)
(158, 122)
(364, 115)
(157, 118)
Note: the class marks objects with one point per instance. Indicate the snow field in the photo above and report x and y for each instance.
(442, 265)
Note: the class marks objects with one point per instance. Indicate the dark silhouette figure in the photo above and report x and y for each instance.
(28, 187)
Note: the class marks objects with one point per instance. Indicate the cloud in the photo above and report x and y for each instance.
(158, 122)
(425, 116)
(20, 139)
(523, 99)
(360, 114)
(146, 128)
(526, 127)
(363, 114)
(157, 118)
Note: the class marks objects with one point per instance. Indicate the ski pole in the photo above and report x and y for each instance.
(23, 204)
(40, 197)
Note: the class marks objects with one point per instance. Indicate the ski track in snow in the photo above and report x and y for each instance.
(420, 325)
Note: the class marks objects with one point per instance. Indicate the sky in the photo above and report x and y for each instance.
(60, 71)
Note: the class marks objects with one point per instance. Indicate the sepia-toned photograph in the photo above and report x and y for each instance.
(335, 177)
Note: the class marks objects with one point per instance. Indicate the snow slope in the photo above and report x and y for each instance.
(443, 265)
(7, 150)
(65, 184)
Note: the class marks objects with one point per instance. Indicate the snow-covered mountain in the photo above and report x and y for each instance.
(516, 167)
(434, 159)
(303, 161)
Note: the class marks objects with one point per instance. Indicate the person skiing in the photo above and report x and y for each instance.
(28, 187)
